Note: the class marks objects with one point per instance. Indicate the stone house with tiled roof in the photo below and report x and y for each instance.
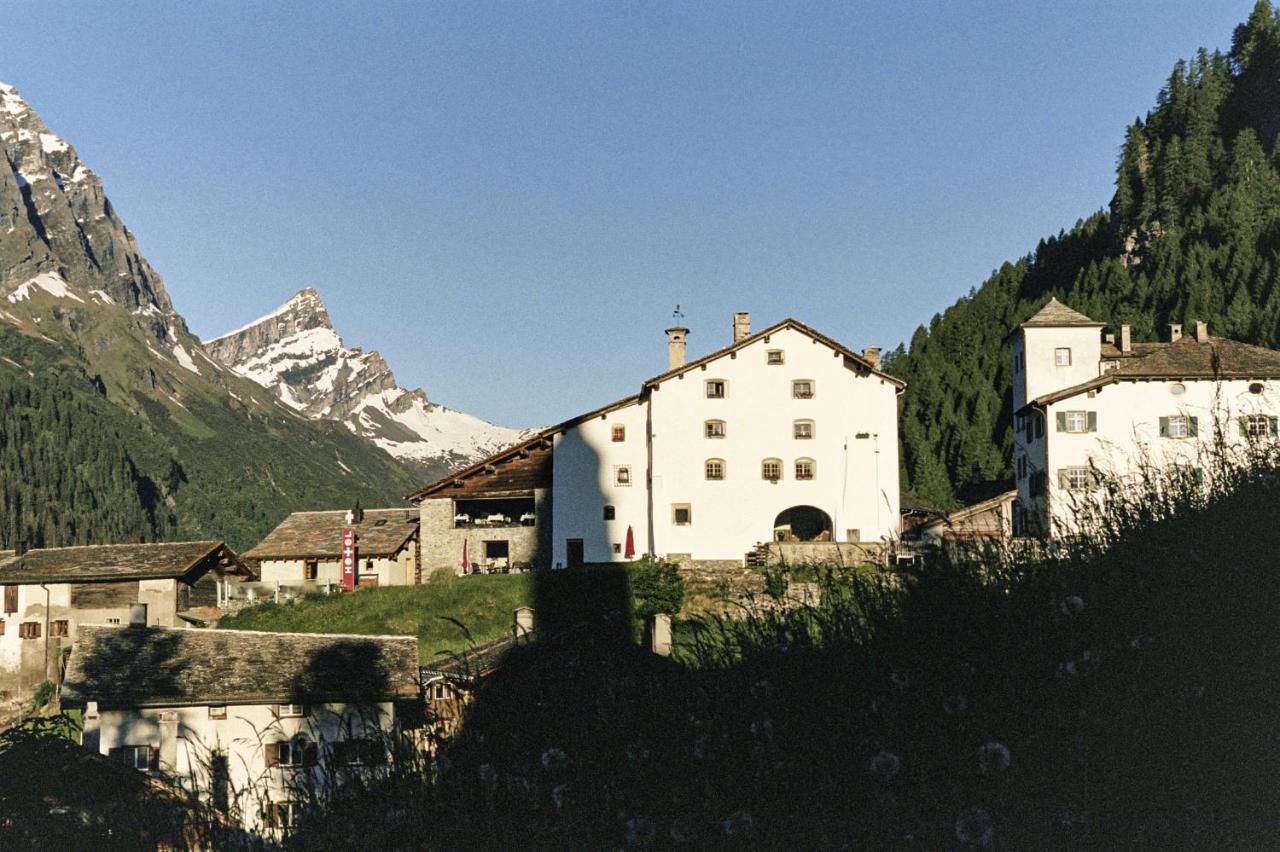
(783, 438)
(306, 547)
(1089, 404)
(254, 723)
(48, 593)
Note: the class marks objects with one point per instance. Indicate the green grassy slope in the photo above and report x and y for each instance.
(484, 605)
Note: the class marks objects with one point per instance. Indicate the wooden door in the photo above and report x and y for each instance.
(574, 552)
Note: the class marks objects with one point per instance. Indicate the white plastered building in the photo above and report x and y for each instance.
(783, 437)
(1089, 406)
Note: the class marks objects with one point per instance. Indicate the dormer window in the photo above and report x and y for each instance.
(774, 357)
(1062, 356)
(717, 388)
(802, 389)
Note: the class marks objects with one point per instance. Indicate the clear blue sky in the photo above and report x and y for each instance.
(507, 200)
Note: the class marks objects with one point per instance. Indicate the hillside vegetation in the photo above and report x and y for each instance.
(1192, 233)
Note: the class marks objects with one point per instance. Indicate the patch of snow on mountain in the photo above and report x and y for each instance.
(184, 358)
(52, 144)
(50, 282)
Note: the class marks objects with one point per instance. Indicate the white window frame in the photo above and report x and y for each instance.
(1077, 422)
(706, 470)
(1084, 476)
(811, 474)
(796, 426)
(1062, 356)
(771, 361)
(296, 748)
(796, 393)
(765, 464)
(290, 711)
(712, 384)
(622, 475)
(1179, 426)
(217, 711)
(707, 428)
(1255, 426)
(131, 754)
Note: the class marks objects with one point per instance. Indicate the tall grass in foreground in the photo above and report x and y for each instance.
(1117, 690)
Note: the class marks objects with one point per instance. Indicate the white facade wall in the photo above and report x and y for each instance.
(240, 737)
(1128, 433)
(584, 481)
(397, 571)
(1042, 375)
(856, 480)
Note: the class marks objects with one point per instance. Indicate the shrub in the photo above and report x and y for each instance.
(656, 587)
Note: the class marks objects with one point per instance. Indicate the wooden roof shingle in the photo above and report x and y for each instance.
(318, 535)
(164, 667)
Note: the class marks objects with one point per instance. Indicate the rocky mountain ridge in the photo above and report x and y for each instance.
(297, 354)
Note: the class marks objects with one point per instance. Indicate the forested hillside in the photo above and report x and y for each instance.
(1192, 233)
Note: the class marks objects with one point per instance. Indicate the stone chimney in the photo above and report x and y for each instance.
(1126, 338)
(169, 740)
(676, 338)
(872, 356)
(355, 515)
(660, 634)
(741, 326)
(1202, 331)
(1175, 332)
(522, 628)
(1109, 338)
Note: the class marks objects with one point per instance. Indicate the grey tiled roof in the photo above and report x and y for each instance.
(316, 535)
(152, 666)
(1054, 313)
(113, 562)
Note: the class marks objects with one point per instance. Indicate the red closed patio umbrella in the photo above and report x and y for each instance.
(629, 550)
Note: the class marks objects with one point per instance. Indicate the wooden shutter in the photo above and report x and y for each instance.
(1062, 421)
(153, 758)
(1063, 481)
(1193, 427)
(1093, 421)
(272, 753)
(1164, 427)
(10, 599)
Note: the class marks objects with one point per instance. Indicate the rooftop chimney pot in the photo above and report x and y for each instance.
(872, 356)
(1175, 332)
(1126, 338)
(676, 347)
(741, 326)
(1202, 331)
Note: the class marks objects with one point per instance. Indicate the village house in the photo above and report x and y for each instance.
(783, 440)
(253, 723)
(967, 530)
(50, 592)
(1088, 407)
(305, 549)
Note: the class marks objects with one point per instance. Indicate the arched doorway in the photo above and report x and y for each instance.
(802, 523)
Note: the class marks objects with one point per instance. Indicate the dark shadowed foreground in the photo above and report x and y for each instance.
(1117, 692)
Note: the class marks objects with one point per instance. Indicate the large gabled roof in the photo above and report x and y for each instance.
(787, 323)
(102, 563)
(1054, 314)
(1214, 358)
(166, 667)
(317, 535)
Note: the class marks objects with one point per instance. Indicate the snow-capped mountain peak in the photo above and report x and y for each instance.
(296, 352)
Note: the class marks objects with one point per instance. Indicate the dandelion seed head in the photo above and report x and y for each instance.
(975, 827)
(886, 764)
(553, 759)
(993, 757)
(1071, 606)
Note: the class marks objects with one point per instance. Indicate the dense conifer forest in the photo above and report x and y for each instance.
(1192, 233)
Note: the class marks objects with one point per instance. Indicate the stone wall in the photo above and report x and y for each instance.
(441, 541)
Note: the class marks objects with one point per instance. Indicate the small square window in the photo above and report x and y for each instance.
(60, 628)
(681, 514)
(804, 469)
(1077, 421)
(610, 513)
(439, 692)
(290, 710)
(617, 548)
(714, 429)
(802, 430)
(1179, 427)
(218, 711)
(774, 357)
(136, 757)
(1076, 478)
(715, 469)
(802, 389)
(1062, 356)
(716, 389)
(622, 475)
(771, 469)
(619, 433)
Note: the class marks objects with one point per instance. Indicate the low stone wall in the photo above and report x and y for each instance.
(849, 554)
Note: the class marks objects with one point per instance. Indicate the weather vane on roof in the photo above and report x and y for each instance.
(677, 314)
